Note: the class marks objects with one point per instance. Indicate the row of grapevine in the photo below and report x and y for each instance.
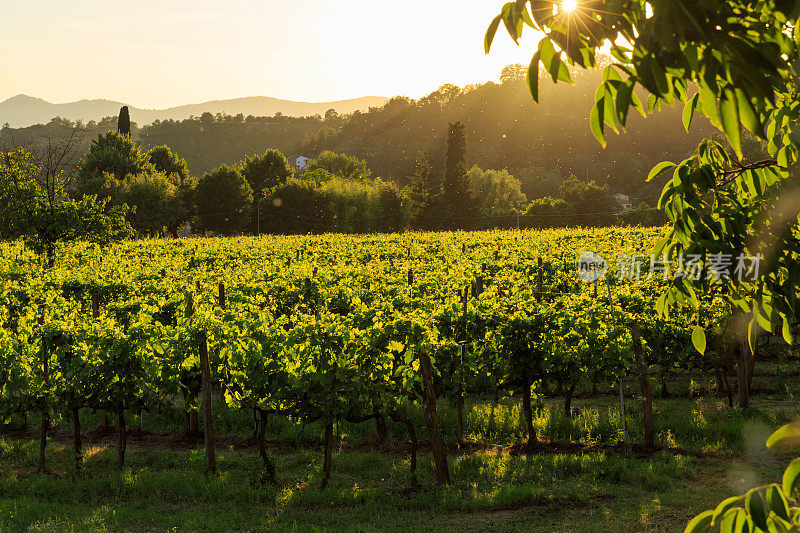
(325, 328)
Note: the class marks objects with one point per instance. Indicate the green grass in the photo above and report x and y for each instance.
(715, 452)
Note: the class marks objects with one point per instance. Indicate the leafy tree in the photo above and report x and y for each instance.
(263, 173)
(734, 63)
(34, 201)
(497, 190)
(539, 181)
(318, 176)
(266, 171)
(124, 122)
(422, 191)
(169, 163)
(392, 213)
(223, 201)
(592, 202)
(342, 165)
(459, 203)
(177, 171)
(549, 212)
(337, 205)
(513, 73)
(157, 203)
(296, 207)
(114, 156)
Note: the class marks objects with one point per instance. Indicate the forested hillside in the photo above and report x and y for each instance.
(506, 129)
(540, 145)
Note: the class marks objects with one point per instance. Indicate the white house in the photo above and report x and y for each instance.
(301, 163)
(623, 201)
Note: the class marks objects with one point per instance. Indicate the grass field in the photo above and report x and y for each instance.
(708, 452)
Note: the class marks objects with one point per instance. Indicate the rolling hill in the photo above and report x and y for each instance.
(22, 111)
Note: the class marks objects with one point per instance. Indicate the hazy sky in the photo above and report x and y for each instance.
(162, 53)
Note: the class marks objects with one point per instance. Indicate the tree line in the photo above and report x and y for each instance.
(52, 193)
(540, 146)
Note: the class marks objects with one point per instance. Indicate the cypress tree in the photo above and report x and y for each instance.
(460, 203)
(124, 122)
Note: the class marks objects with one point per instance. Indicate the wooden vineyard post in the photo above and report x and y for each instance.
(328, 438)
(104, 425)
(192, 417)
(76, 436)
(205, 374)
(460, 398)
(439, 455)
(478, 286)
(621, 384)
(644, 384)
(45, 427)
(222, 302)
(208, 415)
(269, 466)
(539, 293)
(122, 438)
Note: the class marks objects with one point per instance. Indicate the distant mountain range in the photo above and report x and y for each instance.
(23, 111)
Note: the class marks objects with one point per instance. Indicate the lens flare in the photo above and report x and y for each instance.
(569, 5)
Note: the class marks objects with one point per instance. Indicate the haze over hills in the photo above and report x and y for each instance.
(21, 111)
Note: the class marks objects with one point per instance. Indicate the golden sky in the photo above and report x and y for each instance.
(162, 53)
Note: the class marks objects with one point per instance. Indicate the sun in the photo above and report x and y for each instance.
(569, 5)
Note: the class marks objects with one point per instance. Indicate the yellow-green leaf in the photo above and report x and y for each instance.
(790, 477)
(491, 32)
(708, 105)
(729, 114)
(724, 506)
(787, 331)
(533, 77)
(596, 122)
(699, 523)
(660, 169)
(785, 437)
(754, 504)
(688, 111)
(777, 502)
(748, 114)
(699, 339)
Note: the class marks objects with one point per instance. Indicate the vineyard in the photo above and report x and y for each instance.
(202, 341)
